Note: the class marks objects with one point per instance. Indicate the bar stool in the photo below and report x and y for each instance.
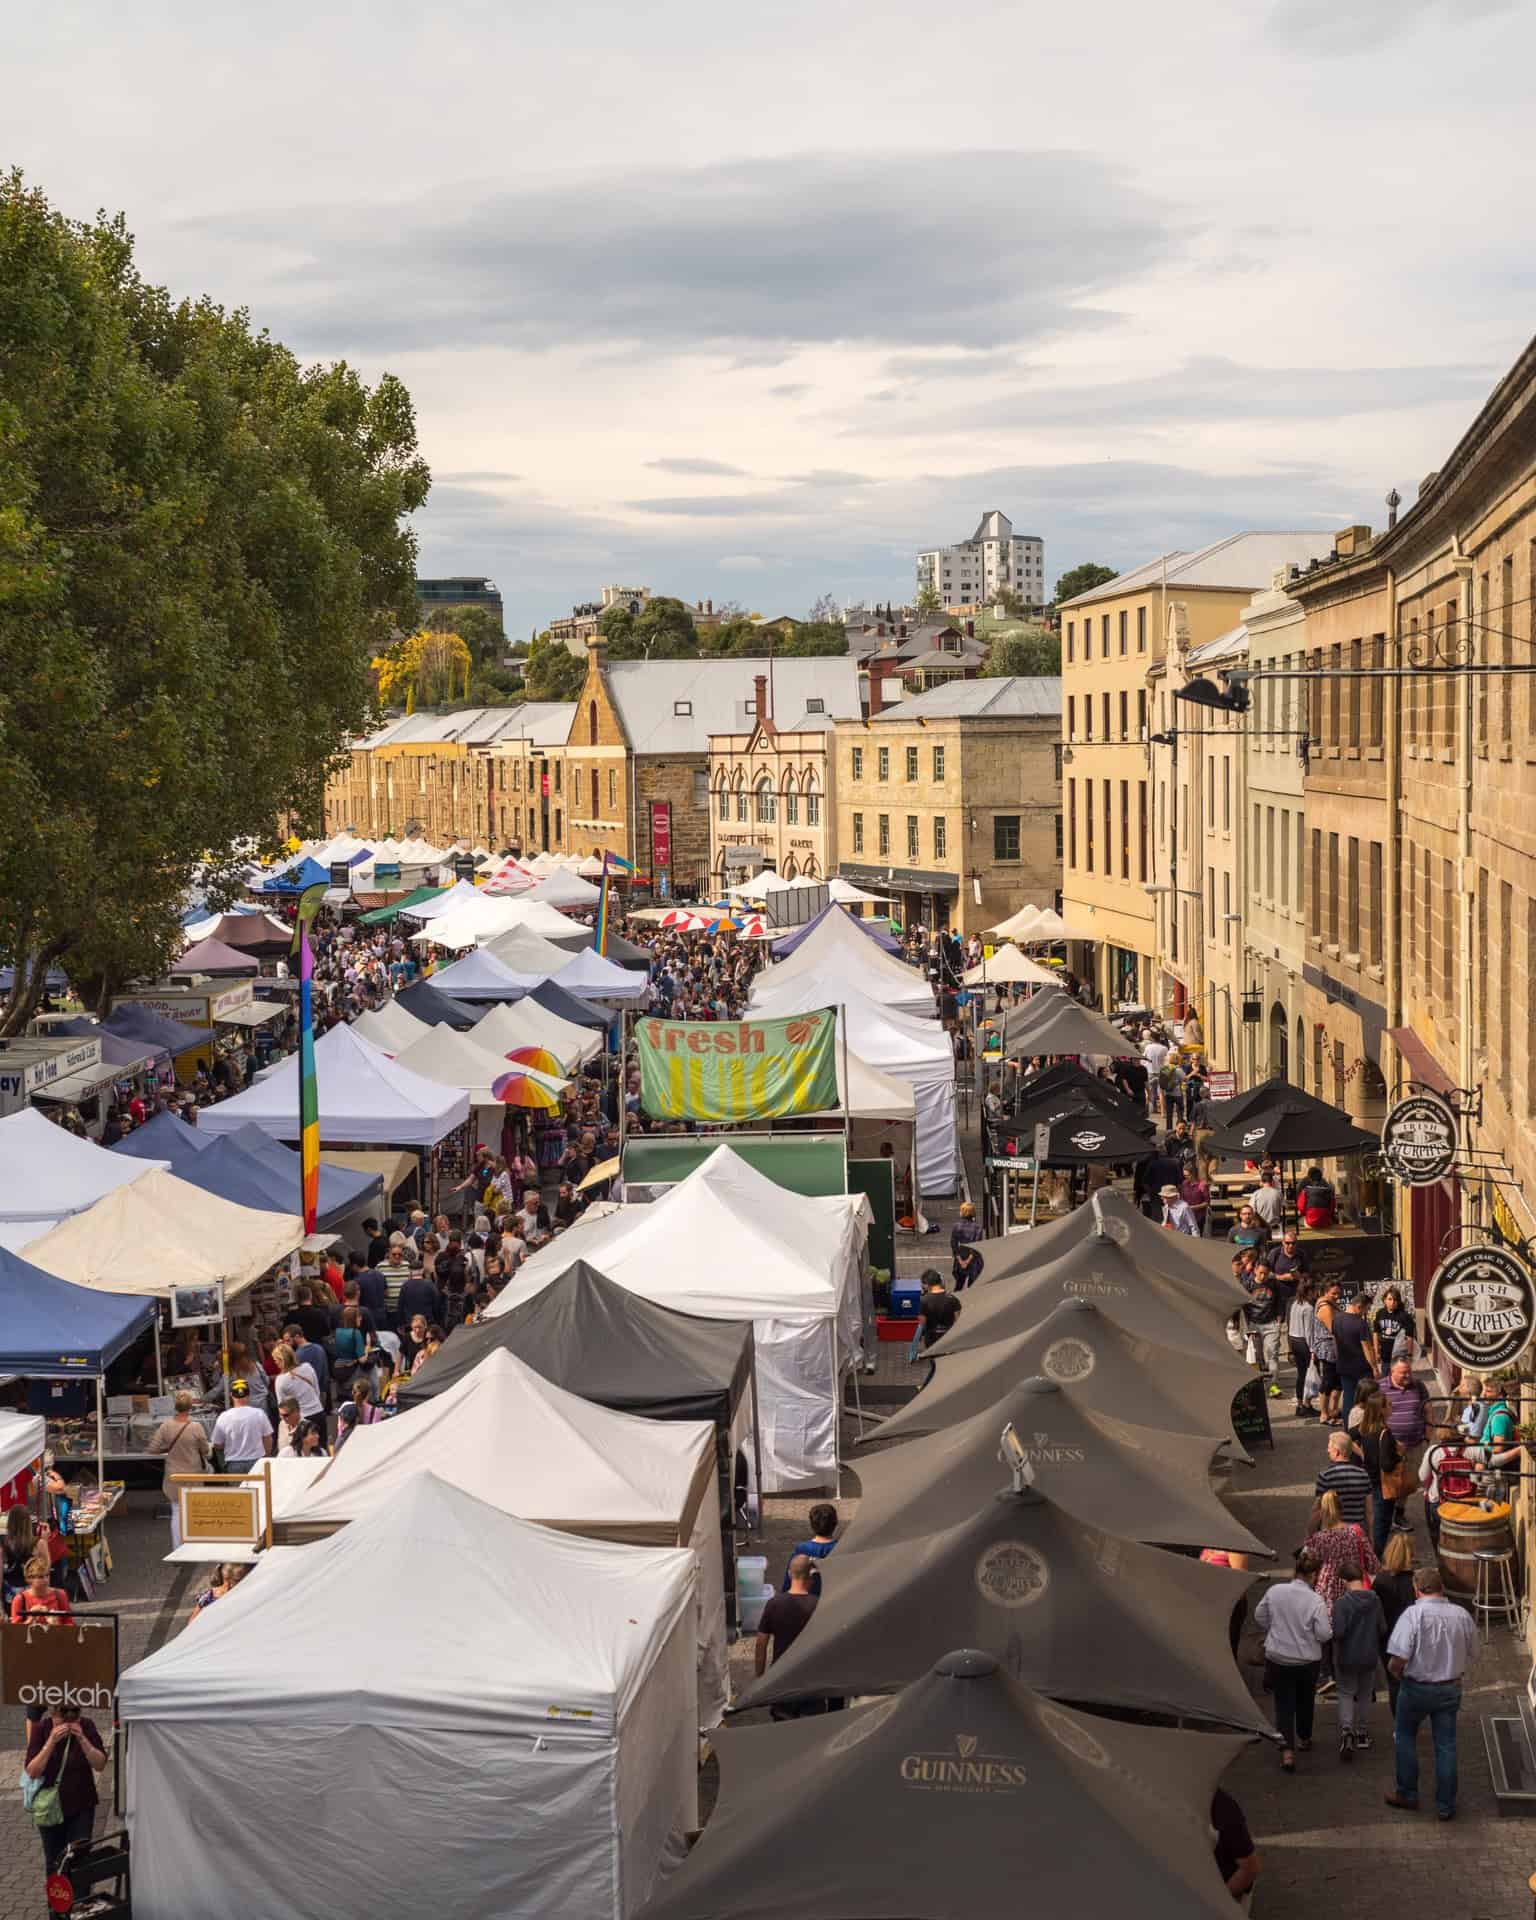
(1496, 1597)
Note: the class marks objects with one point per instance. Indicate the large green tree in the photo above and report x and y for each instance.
(1032, 650)
(1083, 579)
(552, 671)
(477, 627)
(202, 546)
(663, 629)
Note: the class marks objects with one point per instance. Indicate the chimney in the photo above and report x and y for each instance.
(1427, 482)
(597, 651)
(878, 669)
(760, 686)
(709, 607)
(880, 629)
(902, 630)
(1351, 541)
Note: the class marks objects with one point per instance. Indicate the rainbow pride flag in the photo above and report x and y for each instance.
(309, 1085)
(617, 865)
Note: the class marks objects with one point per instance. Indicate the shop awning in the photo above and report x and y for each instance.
(84, 1085)
(255, 1013)
(1420, 1061)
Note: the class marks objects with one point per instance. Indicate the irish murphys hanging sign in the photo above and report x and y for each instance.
(730, 1070)
(1418, 1140)
(1481, 1307)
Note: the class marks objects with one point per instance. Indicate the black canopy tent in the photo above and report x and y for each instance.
(1045, 1095)
(1062, 1606)
(1142, 1484)
(1053, 1022)
(553, 998)
(423, 1000)
(587, 1334)
(1289, 1126)
(963, 1795)
(1079, 1132)
(1080, 1344)
(1116, 1217)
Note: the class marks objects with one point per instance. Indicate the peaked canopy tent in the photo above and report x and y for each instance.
(130, 1020)
(1045, 1097)
(115, 1050)
(434, 902)
(564, 889)
(557, 1769)
(710, 1246)
(1053, 1022)
(527, 1447)
(1082, 1345)
(160, 1233)
(457, 1060)
(254, 933)
(382, 916)
(467, 923)
(1080, 1132)
(625, 953)
(618, 1350)
(590, 977)
(47, 1173)
(525, 951)
(1141, 1483)
(481, 976)
(366, 1098)
(1060, 1605)
(554, 999)
(539, 916)
(253, 1169)
(215, 959)
(390, 1028)
(1289, 1126)
(164, 1140)
(528, 1024)
(295, 878)
(1017, 925)
(965, 1794)
(424, 1003)
(917, 1051)
(882, 942)
(1009, 967)
(834, 948)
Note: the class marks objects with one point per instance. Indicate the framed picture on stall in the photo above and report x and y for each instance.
(197, 1306)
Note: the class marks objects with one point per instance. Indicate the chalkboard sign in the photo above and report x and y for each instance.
(1250, 1413)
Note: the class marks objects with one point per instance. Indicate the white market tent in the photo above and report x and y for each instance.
(481, 976)
(159, 1233)
(506, 1435)
(365, 1099)
(591, 976)
(389, 1028)
(47, 1172)
(1049, 925)
(546, 1764)
(845, 894)
(420, 853)
(458, 1060)
(538, 916)
(1017, 925)
(565, 889)
(728, 1244)
(917, 1051)
(525, 951)
(1010, 967)
(469, 922)
(526, 1024)
(23, 1437)
(835, 948)
(449, 901)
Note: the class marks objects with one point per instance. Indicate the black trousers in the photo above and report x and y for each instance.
(1301, 1358)
(1295, 1695)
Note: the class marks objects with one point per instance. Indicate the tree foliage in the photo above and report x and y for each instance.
(429, 668)
(663, 629)
(1082, 580)
(477, 627)
(825, 612)
(552, 671)
(1029, 650)
(928, 600)
(203, 545)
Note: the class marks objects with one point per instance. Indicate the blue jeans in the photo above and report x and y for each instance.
(1349, 1385)
(1416, 1702)
(1383, 1513)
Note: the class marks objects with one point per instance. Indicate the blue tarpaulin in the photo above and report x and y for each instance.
(342, 1190)
(303, 873)
(51, 1329)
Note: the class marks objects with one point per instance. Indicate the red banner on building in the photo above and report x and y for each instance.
(661, 835)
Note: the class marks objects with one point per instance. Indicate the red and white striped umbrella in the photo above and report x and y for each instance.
(681, 921)
(509, 877)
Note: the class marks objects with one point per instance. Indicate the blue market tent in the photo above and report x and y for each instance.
(50, 1329)
(130, 1020)
(342, 1191)
(792, 940)
(554, 999)
(169, 1139)
(115, 1050)
(249, 1168)
(423, 1000)
(303, 873)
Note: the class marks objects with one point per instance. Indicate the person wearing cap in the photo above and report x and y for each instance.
(242, 1434)
(1178, 1214)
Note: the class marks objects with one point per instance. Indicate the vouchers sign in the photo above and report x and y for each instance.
(731, 1070)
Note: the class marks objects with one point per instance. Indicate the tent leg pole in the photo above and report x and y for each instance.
(159, 1365)
(1034, 1195)
(101, 1436)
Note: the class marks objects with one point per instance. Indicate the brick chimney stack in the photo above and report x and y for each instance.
(760, 687)
(878, 671)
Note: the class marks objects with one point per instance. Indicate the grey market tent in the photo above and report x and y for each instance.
(132, 1020)
(216, 959)
(964, 1797)
(1039, 1104)
(423, 1000)
(1053, 1022)
(1062, 1606)
(554, 999)
(1081, 1133)
(1081, 1345)
(1143, 1485)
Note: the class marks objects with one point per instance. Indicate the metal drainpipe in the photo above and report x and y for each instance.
(1392, 852)
(1464, 875)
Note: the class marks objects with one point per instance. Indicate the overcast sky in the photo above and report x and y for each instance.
(751, 304)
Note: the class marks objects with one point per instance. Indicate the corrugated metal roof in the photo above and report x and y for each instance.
(1240, 563)
(673, 706)
(547, 722)
(1016, 696)
(1225, 646)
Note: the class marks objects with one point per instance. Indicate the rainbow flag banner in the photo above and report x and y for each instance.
(729, 1070)
(309, 1086)
(612, 863)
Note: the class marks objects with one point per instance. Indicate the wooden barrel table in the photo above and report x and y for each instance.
(1466, 1527)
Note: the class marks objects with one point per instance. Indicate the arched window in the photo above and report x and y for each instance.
(789, 871)
(595, 808)
(722, 796)
(808, 871)
(791, 799)
(591, 723)
(812, 799)
(741, 797)
(766, 810)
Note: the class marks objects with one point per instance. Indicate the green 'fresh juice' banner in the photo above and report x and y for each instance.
(729, 1070)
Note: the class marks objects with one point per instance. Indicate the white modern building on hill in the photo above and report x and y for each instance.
(977, 572)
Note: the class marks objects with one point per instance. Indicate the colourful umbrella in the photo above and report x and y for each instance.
(525, 1089)
(540, 1059)
(751, 926)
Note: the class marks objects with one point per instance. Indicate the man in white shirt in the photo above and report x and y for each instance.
(242, 1433)
(1268, 1202)
(1153, 1053)
(1431, 1648)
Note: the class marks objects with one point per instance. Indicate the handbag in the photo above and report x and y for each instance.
(1397, 1482)
(46, 1809)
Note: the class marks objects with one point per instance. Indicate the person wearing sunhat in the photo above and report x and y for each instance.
(1178, 1215)
(242, 1434)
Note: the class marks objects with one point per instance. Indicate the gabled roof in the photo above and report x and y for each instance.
(1015, 696)
(547, 721)
(1240, 563)
(648, 693)
(1230, 645)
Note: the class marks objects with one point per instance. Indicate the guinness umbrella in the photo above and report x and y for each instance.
(423, 1000)
(1141, 1484)
(1040, 1104)
(1151, 1305)
(1059, 1605)
(1083, 1134)
(964, 1797)
(1291, 1126)
(1081, 1345)
(1115, 1219)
